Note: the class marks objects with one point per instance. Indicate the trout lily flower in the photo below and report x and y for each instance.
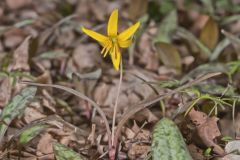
(113, 41)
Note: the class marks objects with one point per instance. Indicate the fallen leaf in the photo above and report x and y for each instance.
(20, 57)
(31, 114)
(13, 37)
(138, 151)
(169, 55)
(137, 8)
(12, 4)
(45, 145)
(85, 58)
(207, 129)
(210, 34)
(5, 91)
(195, 152)
(147, 55)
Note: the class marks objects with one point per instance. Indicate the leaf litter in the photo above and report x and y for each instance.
(178, 56)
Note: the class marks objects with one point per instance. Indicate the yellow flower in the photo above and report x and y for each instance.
(113, 41)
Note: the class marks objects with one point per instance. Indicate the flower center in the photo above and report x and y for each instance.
(114, 39)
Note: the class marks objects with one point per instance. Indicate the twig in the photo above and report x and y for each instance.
(116, 102)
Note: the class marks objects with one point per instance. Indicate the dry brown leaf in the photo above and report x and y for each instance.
(101, 93)
(210, 34)
(91, 136)
(137, 8)
(20, 57)
(32, 114)
(147, 55)
(138, 151)
(207, 129)
(5, 91)
(13, 38)
(195, 152)
(129, 133)
(13, 4)
(45, 145)
(147, 114)
(99, 8)
(169, 55)
(85, 57)
(48, 101)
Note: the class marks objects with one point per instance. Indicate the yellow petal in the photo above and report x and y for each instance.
(125, 44)
(113, 24)
(126, 34)
(97, 36)
(116, 57)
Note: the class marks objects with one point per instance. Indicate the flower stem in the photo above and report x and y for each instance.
(116, 102)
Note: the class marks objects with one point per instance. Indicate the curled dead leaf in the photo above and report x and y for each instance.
(207, 129)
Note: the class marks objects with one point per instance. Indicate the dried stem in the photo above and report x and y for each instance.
(116, 102)
(78, 94)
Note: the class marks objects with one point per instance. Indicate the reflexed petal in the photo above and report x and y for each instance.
(126, 34)
(97, 36)
(113, 23)
(125, 44)
(116, 57)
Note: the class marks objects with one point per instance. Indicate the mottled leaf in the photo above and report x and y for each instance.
(64, 153)
(15, 108)
(215, 89)
(204, 69)
(52, 55)
(192, 40)
(30, 133)
(168, 143)
(166, 28)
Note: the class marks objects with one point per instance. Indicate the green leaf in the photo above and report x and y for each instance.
(234, 40)
(30, 133)
(234, 67)
(226, 138)
(219, 48)
(24, 23)
(52, 55)
(168, 143)
(208, 4)
(167, 6)
(215, 89)
(15, 108)
(207, 152)
(204, 69)
(64, 153)
(192, 40)
(166, 28)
